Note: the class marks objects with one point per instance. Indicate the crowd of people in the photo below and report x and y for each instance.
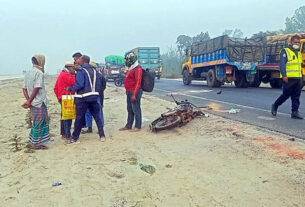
(81, 79)
(87, 84)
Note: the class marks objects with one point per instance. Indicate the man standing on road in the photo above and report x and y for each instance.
(133, 83)
(86, 88)
(291, 72)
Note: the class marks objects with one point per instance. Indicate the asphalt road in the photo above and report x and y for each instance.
(254, 104)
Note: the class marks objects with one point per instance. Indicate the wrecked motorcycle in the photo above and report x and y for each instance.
(183, 113)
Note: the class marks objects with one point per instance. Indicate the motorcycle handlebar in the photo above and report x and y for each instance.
(183, 102)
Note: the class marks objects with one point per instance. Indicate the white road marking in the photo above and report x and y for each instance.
(223, 102)
(266, 118)
(200, 91)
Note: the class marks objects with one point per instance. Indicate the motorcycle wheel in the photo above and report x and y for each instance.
(166, 123)
(118, 82)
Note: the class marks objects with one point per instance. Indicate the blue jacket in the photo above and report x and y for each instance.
(82, 85)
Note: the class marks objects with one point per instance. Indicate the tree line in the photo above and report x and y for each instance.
(172, 60)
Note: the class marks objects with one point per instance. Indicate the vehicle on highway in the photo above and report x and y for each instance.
(269, 72)
(224, 60)
(113, 66)
(149, 58)
(119, 81)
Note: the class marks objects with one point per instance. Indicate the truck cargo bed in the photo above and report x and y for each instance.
(245, 54)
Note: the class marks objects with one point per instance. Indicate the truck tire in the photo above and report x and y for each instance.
(241, 80)
(256, 83)
(186, 77)
(276, 83)
(212, 79)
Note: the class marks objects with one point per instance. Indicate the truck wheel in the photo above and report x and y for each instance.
(212, 80)
(186, 78)
(276, 83)
(241, 80)
(256, 83)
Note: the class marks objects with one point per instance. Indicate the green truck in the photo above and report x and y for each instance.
(149, 58)
(113, 66)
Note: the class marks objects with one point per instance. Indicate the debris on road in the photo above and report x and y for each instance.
(56, 184)
(120, 203)
(147, 168)
(234, 111)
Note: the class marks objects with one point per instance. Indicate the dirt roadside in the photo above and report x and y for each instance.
(209, 162)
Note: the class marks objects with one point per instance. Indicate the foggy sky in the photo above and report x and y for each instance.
(58, 28)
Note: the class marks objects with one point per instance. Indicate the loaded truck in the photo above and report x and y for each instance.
(224, 60)
(269, 72)
(149, 58)
(113, 66)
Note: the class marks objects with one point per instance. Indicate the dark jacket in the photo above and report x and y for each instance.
(82, 85)
(103, 87)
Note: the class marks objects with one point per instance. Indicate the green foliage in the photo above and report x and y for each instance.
(297, 22)
(28, 119)
(203, 36)
(267, 33)
(172, 62)
(16, 143)
(237, 33)
(184, 42)
(227, 32)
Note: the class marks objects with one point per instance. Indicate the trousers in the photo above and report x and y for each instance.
(134, 110)
(81, 108)
(292, 90)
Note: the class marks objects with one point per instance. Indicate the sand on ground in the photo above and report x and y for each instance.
(209, 162)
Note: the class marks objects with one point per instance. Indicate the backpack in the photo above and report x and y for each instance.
(148, 80)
